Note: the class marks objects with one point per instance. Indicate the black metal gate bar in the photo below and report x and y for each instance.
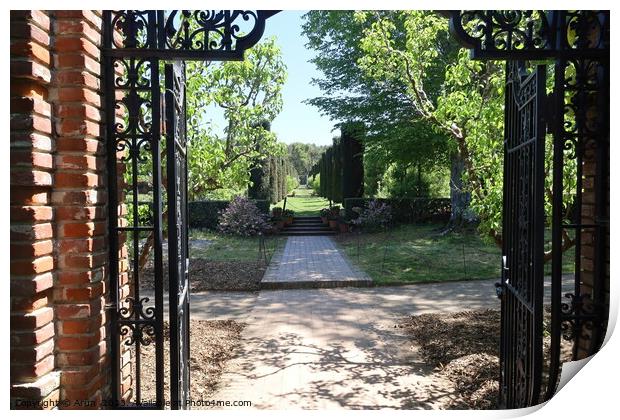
(556, 227)
(178, 258)
(158, 236)
(134, 322)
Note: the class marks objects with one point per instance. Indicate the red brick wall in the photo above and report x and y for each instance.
(79, 199)
(33, 227)
(58, 213)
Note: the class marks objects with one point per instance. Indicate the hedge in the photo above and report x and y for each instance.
(341, 166)
(205, 214)
(408, 210)
(352, 152)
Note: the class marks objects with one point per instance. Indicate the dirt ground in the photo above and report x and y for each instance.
(464, 347)
(212, 344)
(215, 275)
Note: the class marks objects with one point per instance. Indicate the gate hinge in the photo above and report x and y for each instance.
(499, 289)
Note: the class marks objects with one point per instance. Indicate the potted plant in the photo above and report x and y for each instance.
(278, 222)
(334, 214)
(324, 215)
(276, 212)
(343, 222)
(288, 216)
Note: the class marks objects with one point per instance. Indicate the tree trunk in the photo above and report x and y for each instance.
(459, 198)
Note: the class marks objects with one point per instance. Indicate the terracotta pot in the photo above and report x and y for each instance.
(344, 227)
(324, 220)
(333, 224)
(289, 220)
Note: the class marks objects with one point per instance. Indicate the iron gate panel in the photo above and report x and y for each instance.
(523, 232)
(135, 43)
(178, 257)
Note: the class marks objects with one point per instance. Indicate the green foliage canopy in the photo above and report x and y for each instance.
(249, 92)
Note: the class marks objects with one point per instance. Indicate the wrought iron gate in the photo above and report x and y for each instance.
(178, 260)
(135, 44)
(576, 113)
(523, 236)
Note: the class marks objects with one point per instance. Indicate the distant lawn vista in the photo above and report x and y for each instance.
(303, 203)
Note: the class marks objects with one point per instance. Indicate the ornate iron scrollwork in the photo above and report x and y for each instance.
(530, 34)
(502, 30)
(188, 34)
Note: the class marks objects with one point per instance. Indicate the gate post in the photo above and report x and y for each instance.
(59, 331)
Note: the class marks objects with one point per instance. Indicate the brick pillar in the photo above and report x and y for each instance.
(32, 218)
(79, 199)
(58, 239)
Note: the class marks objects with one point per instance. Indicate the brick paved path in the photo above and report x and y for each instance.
(312, 261)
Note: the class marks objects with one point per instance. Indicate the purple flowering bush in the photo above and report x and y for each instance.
(375, 215)
(242, 218)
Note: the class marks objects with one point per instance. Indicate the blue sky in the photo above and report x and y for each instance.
(297, 122)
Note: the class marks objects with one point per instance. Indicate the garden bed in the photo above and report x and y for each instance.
(212, 344)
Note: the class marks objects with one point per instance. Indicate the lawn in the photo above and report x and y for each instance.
(303, 203)
(418, 254)
(231, 248)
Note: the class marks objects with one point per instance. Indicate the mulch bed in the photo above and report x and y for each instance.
(214, 275)
(212, 344)
(464, 347)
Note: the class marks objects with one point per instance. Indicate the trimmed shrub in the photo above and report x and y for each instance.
(205, 214)
(407, 210)
(242, 218)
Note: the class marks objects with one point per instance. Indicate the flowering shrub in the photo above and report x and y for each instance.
(242, 218)
(376, 215)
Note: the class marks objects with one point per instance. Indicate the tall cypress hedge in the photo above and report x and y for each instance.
(352, 162)
(282, 178)
(341, 167)
(259, 187)
(337, 171)
(273, 184)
